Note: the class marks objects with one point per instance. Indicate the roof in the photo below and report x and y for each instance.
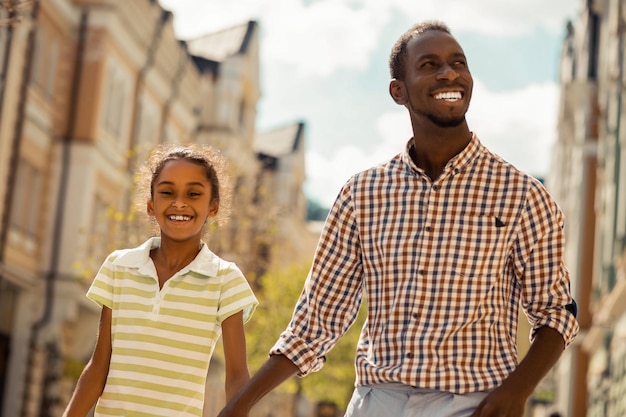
(218, 46)
(279, 142)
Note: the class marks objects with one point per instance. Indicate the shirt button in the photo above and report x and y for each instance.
(435, 187)
(409, 355)
(414, 315)
(421, 272)
(428, 228)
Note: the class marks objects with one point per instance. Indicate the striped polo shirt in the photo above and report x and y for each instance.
(443, 266)
(162, 339)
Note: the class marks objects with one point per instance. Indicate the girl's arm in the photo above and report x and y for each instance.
(234, 340)
(91, 381)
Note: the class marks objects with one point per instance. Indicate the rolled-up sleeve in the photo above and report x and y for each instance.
(546, 292)
(331, 297)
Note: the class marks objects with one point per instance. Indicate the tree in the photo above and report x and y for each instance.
(280, 291)
(11, 11)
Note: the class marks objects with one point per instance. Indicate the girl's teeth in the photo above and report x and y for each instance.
(179, 218)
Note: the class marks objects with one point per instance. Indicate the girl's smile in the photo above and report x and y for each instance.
(182, 200)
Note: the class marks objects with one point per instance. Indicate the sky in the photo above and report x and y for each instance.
(324, 63)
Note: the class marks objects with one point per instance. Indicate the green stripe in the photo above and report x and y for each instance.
(165, 373)
(116, 412)
(165, 341)
(193, 300)
(201, 284)
(173, 359)
(191, 315)
(99, 284)
(225, 271)
(235, 297)
(131, 306)
(136, 399)
(176, 328)
(168, 389)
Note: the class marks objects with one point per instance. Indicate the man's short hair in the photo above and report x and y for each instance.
(397, 58)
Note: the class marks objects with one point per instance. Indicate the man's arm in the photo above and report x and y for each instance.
(276, 370)
(509, 399)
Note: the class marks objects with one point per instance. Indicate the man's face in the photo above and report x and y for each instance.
(438, 84)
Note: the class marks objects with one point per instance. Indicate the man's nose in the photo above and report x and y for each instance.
(447, 73)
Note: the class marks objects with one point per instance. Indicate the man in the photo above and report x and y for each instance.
(443, 241)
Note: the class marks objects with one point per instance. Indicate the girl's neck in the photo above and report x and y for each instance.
(170, 257)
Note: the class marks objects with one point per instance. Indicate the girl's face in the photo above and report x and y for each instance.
(182, 200)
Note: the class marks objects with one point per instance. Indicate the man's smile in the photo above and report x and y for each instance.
(450, 96)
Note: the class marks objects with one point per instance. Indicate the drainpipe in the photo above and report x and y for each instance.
(141, 77)
(17, 138)
(52, 273)
(176, 81)
(8, 43)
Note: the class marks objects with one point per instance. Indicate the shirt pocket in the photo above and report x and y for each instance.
(474, 265)
(477, 246)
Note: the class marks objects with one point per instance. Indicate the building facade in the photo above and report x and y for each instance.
(87, 89)
(588, 179)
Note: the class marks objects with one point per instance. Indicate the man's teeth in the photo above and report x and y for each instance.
(180, 218)
(449, 96)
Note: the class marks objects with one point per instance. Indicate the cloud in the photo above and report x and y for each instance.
(322, 36)
(518, 125)
(495, 18)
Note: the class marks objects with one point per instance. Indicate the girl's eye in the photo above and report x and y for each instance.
(165, 193)
(194, 194)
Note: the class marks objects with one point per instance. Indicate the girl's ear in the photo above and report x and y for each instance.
(214, 207)
(396, 90)
(150, 207)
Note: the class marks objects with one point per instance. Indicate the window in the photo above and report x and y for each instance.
(26, 199)
(147, 130)
(116, 90)
(44, 63)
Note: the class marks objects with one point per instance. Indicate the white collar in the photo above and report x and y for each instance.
(205, 263)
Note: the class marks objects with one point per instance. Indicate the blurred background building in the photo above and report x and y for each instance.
(89, 87)
(588, 179)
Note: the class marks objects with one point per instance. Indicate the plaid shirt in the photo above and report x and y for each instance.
(443, 267)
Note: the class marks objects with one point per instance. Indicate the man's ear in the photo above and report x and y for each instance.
(396, 90)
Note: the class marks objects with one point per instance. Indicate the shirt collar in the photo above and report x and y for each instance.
(456, 163)
(205, 263)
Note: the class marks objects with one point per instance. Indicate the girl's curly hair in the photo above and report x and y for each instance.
(216, 167)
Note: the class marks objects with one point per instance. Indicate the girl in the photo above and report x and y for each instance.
(166, 302)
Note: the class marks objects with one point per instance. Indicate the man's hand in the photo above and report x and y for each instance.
(503, 401)
(274, 372)
(509, 399)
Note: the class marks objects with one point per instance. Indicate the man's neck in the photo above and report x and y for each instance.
(432, 153)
